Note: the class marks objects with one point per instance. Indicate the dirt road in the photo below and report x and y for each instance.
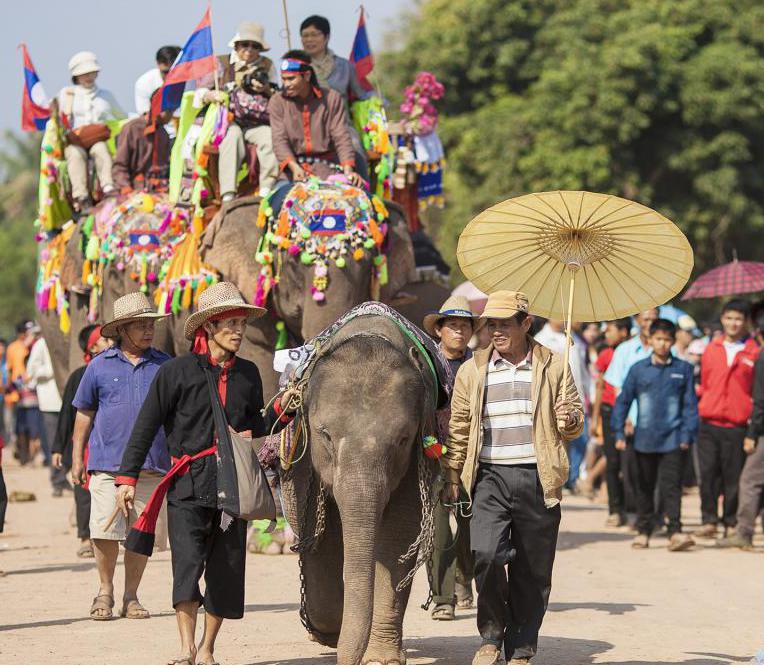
(609, 604)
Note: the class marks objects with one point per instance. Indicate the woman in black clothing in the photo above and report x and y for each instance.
(92, 344)
(202, 539)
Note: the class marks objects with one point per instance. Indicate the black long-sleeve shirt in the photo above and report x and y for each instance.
(65, 428)
(756, 424)
(179, 400)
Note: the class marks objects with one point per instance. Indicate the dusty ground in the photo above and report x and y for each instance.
(609, 604)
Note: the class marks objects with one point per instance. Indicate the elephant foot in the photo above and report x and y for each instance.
(384, 655)
(325, 639)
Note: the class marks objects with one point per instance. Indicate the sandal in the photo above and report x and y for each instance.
(443, 613)
(98, 605)
(132, 609)
(183, 660)
(464, 598)
(86, 551)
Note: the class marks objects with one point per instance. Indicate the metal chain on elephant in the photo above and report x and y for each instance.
(423, 546)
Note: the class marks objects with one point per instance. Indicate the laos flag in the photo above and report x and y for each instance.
(195, 60)
(360, 55)
(34, 103)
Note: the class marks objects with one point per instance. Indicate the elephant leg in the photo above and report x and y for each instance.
(324, 588)
(400, 527)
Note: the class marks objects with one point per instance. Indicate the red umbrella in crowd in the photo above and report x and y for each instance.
(730, 279)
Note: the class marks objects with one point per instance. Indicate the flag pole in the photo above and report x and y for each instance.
(286, 25)
(217, 80)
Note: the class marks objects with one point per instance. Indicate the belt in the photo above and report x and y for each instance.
(141, 537)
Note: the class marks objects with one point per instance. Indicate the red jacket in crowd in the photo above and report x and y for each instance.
(726, 390)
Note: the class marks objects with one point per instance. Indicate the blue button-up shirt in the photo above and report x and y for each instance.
(115, 389)
(668, 405)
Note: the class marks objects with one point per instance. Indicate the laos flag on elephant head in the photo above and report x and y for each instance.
(35, 111)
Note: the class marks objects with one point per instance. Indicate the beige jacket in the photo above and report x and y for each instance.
(466, 431)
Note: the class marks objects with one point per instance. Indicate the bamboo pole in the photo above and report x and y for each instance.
(286, 25)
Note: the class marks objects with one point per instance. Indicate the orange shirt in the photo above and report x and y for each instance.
(15, 358)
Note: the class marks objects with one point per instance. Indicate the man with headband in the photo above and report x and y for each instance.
(309, 125)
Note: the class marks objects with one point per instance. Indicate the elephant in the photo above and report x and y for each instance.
(355, 496)
(228, 246)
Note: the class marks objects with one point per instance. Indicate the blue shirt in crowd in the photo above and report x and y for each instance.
(115, 389)
(668, 406)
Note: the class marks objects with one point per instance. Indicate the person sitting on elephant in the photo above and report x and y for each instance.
(249, 77)
(333, 71)
(179, 401)
(85, 108)
(506, 448)
(310, 128)
(142, 159)
(451, 563)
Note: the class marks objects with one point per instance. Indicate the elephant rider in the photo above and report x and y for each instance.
(142, 160)
(310, 128)
(507, 433)
(179, 401)
(84, 109)
(108, 401)
(249, 77)
(452, 562)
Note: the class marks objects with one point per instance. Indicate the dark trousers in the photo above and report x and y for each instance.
(200, 547)
(49, 426)
(616, 499)
(512, 526)
(3, 499)
(721, 458)
(82, 509)
(751, 491)
(664, 471)
(451, 557)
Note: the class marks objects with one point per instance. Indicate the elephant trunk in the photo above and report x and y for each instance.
(360, 508)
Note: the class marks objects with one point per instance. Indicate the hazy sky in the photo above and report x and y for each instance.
(125, 34)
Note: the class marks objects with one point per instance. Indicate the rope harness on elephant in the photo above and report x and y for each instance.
(312, 520)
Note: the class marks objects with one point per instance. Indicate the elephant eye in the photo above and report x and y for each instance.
(323, 431)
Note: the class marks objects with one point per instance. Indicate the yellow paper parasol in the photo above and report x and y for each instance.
(577, 255)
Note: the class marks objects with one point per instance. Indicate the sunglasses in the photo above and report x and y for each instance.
(252, 45)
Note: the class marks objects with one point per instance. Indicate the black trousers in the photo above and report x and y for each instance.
(664, 471)
(721, 459)
(512, 526)
(616, 499)
(199, 546)
(451, 557)
(3, 500)
(82, 508)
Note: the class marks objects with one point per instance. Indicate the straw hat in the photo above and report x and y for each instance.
(83, 62)
(456, 306)
(505, 305)
(130, 307)
(249, 31)
(220, 297)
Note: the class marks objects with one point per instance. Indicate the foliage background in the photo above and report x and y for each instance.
(19, 163)
(661, 101)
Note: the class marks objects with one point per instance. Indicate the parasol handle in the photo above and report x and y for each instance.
(568, 338)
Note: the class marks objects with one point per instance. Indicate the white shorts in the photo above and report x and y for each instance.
(103, 501)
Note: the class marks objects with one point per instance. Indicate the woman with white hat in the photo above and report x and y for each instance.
(85, 108)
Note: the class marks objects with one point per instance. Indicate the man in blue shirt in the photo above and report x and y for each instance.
(667, 423)
(108, 400)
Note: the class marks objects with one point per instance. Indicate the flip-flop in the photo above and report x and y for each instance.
(443, 613)
(132, 609)
(99, 604)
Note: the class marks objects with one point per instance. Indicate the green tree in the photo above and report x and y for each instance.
(19, 168)
(656, 100)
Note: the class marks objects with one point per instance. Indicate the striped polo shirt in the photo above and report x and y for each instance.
(508, 413)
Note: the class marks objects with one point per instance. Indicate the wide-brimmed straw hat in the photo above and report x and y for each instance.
(456, 306)
(83, 62)
(249, 31)
(505, 305)
(219, 298)
(130, 307)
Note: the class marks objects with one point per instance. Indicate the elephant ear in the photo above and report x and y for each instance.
(229, 244)
(401, 268)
